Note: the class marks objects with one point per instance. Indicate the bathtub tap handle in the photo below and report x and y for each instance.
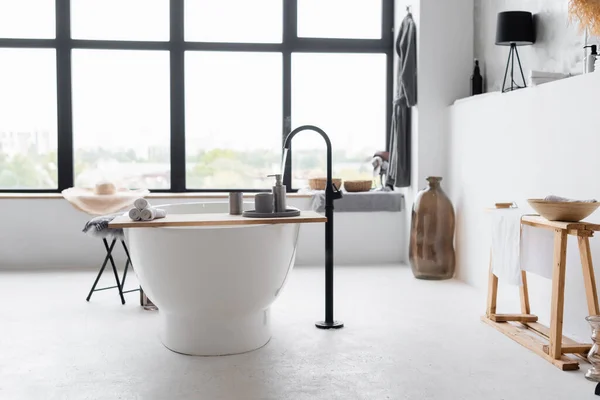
(337, 193)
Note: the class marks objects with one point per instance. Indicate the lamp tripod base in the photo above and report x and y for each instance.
(329, 325)
(513, 85)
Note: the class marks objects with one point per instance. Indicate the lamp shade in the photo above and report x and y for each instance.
(515, 27)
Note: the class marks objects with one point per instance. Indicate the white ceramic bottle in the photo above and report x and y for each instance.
(589, 61)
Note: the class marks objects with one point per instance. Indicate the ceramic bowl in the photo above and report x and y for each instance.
(563, 211)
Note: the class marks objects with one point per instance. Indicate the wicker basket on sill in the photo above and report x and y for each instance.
(321, 183)
(358, 186)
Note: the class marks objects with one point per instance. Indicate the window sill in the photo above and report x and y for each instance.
(187, 195)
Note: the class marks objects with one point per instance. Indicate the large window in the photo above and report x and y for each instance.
(190, 95)
(28, 158)
(121, 117)
(343, 94)
(233, 119)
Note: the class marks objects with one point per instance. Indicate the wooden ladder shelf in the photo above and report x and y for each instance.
(549, 342)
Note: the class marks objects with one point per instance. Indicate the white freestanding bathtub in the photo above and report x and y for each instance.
(213, 286)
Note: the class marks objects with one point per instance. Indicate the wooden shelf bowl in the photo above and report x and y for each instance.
(563, 211)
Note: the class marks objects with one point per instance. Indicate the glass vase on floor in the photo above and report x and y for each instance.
(431, 251)
(593, 374)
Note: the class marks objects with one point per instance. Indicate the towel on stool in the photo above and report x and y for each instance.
(149, 214)
(98, 227)
(517, 247)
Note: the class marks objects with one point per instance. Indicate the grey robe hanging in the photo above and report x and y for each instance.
(406, 97)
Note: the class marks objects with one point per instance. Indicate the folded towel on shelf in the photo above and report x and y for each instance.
(141, 203)
(540, 81)
(544, 74)
(566, 200)
(536, 78)
(135, 214)
(517, 247)
(149, 214)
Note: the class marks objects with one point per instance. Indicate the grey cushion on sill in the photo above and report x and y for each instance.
(373, 201)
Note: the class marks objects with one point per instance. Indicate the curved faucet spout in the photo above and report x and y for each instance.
(320, 131)
(330, 189)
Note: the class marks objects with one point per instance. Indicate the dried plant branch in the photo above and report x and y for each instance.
(587, 12)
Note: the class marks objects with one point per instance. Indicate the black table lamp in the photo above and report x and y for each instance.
(514, 28)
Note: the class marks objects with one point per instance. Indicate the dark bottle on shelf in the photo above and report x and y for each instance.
(476, 80)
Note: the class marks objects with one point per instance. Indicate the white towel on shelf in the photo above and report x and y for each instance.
(517, 247)
(135, 214)
(149, 214)
(141, 203)
(540, 81)
(544, 74)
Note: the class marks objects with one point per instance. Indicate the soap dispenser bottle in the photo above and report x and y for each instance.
(279, 193)
(589, 62)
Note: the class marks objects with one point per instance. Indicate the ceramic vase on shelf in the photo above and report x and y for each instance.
(431, 252)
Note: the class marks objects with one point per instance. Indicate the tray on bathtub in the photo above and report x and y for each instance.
(214, 219)
(290, 212)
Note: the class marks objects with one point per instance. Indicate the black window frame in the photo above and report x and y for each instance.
(63, 44)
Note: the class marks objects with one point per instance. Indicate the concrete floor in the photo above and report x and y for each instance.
(404, 339)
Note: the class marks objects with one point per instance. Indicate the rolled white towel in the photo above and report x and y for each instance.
(135, 214)
(565, 200)
(149, 214)
(141, 203)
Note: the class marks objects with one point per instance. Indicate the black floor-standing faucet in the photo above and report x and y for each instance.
(331, 193)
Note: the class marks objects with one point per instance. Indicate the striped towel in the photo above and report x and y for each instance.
(98, 227)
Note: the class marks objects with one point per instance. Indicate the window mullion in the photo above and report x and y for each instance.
(387, 36)
(290, 37)
(64, 95)
(387, 23)
(176, 47)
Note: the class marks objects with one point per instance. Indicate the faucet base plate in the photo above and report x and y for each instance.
(329, 325)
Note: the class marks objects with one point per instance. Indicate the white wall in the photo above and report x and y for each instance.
(520, 145)
(46, 233)
(445, 65)
(559, 46)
